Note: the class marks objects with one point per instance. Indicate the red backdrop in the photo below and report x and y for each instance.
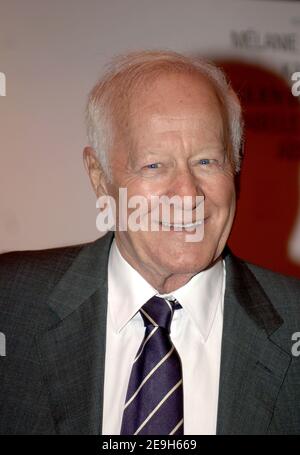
(268, 199)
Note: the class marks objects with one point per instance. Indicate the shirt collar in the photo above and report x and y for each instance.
(201, 295)
(128, 291)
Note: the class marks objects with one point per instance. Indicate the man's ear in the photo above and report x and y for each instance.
(95, 171)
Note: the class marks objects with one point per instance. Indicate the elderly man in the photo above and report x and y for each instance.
(142, 331)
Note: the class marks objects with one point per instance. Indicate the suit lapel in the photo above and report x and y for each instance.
(253, 366)
(72, 353)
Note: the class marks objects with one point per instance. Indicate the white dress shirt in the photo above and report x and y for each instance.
(196, 331)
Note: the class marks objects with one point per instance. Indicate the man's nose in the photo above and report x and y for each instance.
(185, 184)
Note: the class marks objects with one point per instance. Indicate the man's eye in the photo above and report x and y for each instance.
(152, 166)
(205, 161)
(208, 166)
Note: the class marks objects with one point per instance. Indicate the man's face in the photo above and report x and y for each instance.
(174, 125)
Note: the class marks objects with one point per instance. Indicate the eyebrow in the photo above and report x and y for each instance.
(154, 152)
(149, 153)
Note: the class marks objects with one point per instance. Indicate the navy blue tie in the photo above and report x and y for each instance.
(154, 400)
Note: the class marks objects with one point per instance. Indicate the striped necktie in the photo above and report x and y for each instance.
(154, 400)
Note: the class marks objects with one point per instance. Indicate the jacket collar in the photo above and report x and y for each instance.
(87, 273)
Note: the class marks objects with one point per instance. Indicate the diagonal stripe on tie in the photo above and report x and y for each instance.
(150, 374)
(160, 407)
(154, 400)
(157, 348)
(144, 343)
(177, 427)
(167, 414)
(158, 385)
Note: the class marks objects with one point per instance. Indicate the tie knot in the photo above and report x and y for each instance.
(158, 312)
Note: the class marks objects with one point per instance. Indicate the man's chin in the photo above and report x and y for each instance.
(186, 266)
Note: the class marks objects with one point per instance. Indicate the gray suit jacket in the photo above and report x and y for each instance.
(53, 313)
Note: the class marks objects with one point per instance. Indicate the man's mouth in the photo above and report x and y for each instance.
(181, 226)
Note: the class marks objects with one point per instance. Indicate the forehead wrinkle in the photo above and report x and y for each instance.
(161, 116)
(165, 123)
(185, 86)
(161, 123)
(168, 140)
(186, 128)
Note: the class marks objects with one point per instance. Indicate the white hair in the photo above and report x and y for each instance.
(112, 91)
